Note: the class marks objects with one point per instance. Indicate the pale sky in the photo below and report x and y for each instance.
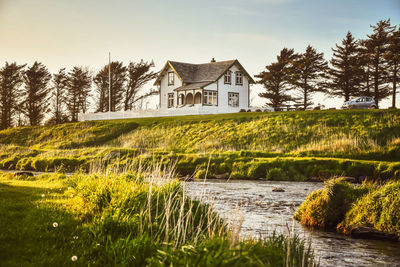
(81, 33)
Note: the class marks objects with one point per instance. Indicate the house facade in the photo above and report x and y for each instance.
(210, 88)
(193, 89)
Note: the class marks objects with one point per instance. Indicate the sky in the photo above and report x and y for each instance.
(67, 33)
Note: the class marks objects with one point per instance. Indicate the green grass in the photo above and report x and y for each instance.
(341, 206)
(358, 133)
(379, 209)
(124, 220)
(279, 145)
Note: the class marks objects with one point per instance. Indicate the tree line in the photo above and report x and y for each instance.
(29, 93)
(367, 67)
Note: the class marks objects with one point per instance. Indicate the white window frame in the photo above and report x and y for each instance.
(239, 78)
(231, 99)
(228, 77)
(171, 78)
(210, 98)
(170, 100)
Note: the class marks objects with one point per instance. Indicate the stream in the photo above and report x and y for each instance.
(261, 211)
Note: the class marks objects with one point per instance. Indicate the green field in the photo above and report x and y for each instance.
(319, 144)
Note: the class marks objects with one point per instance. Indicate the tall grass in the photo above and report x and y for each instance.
(141, 217)
(342, 206)
(348, 132)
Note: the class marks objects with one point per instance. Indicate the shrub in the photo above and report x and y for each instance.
(276, 174)
(379, 209)
(200, 174)
(327, 207)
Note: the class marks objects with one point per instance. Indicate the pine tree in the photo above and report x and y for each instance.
(309, 75)
(138, 75)
(392, 57)
(35, 102)
(276, 79)
(118, 79)
(78, 91)
(376, 47)
(10, 82)
(60, 87)
(366, 65)
(346, 72)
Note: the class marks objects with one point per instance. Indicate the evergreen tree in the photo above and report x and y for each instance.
(346, 72)
(60, 87)
(309, 75)
(376, 46)
(35, 102)
(78, 91)
(393, 59)
(276, 79)
(366, 65)
(138, 75)
(11, 79)
(118, 78)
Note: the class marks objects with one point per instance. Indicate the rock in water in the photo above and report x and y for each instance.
(278, 189)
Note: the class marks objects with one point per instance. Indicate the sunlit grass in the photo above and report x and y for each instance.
(142, 217)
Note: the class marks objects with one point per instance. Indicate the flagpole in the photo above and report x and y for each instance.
(109, 81)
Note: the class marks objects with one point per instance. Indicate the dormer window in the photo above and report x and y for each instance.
(238, 78)
(171, 78)
(227, 77)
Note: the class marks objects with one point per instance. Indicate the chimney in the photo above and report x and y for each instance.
(212, 60)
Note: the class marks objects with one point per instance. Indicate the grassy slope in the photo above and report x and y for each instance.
(123, 221)
(235, 142)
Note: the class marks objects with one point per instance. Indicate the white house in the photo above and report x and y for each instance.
(193, 89)
(209, 88)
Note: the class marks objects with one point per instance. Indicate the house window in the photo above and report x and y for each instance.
(210, 98)
(170, 78)
(181, 97)
(170, 100)
(233, 99)
(239, 78)
(227, 77)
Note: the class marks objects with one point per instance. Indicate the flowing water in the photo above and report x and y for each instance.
(262, 211)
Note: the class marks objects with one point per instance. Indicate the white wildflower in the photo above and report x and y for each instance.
(74, 258)
(55, 224)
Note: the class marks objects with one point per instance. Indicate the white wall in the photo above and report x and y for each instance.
(224, 89)
(166, 89)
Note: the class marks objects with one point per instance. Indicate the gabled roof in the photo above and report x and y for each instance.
(194, 73)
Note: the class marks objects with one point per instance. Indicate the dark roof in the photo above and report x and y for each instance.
(206, 72)
(192, 86)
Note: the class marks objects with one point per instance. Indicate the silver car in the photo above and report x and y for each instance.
(360, 102)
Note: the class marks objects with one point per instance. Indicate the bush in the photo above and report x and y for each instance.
(200, 174)
(327, 207)
(276, 174)
(379, 209)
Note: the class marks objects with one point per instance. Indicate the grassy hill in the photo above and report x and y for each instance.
(279, 145)
(130, 211)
